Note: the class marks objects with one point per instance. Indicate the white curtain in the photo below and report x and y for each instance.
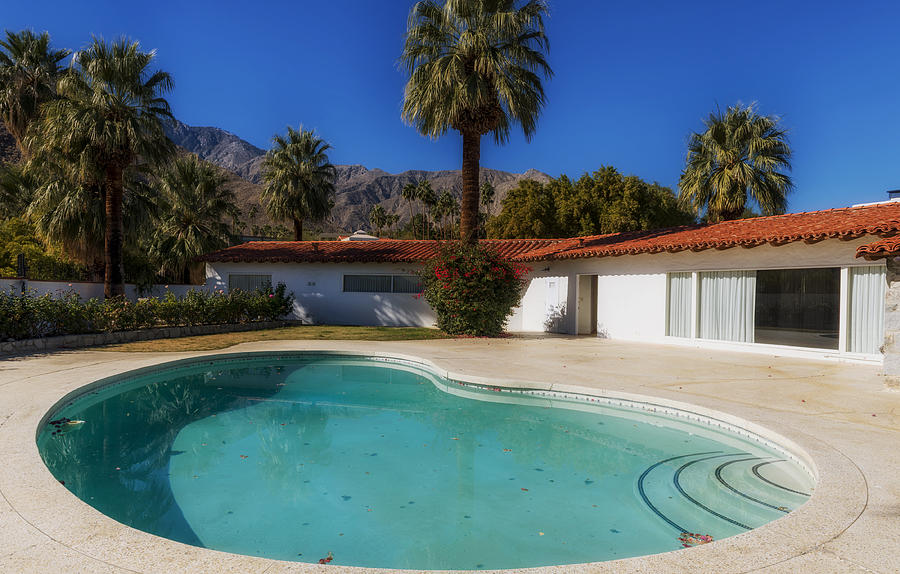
(679, 317)
(727, 304)
(867, 285)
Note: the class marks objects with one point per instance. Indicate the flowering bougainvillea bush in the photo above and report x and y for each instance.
(28, 315)
(472, 289)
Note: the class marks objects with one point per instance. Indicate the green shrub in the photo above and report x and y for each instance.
(472, 289)
(27, 315)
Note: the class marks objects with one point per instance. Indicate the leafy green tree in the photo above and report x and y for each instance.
(298, 178)
(109, 116)
(598, 203)
(740, 156)
(528, 211)
(193, 205)
(29, 71)
(18, 236)
(475, 66)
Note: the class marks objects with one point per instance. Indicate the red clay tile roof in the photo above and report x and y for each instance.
(880, 249)
(845, 223)
(382, 251)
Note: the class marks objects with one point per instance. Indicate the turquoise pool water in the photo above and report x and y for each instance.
(380, 463)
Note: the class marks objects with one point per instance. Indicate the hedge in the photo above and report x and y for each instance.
(28, 315)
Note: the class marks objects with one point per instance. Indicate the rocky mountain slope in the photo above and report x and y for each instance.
(358, 188)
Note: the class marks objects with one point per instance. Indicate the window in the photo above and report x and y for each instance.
(726, 305)
(382, 284)
(407, 284)
(793, 307)
(867, 285)
(798, 307)
(367, 283)
(680, 314)
(247, 282)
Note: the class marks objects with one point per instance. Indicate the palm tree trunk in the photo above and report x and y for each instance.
(113, 280)
(412, 222)
(298, 229)
(468, 225)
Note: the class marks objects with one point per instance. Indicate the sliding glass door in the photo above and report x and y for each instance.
(794, 307)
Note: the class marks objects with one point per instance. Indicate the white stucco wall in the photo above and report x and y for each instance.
(631, 293)
(319, 292)
(632, 289)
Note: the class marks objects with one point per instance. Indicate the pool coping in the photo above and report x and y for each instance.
(839, 498)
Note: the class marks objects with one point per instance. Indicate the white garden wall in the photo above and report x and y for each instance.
(88, 289)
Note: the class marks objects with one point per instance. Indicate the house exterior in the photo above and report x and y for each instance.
(815, 284)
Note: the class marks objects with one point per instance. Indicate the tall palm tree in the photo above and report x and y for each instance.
(299, 179)
(29, 70)
(378, 217)
(194, 203)
(448, 206)
(475, 66)
(425, 194)
(409, 193)
(740, 156)
(109, 116)
(487, 196)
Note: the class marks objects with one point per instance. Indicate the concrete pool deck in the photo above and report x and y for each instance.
(840, 414)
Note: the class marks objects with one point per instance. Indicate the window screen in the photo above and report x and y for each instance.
(246, 282)
(367, 283)
(407, 284)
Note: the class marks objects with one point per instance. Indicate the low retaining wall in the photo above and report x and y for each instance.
(27, 346)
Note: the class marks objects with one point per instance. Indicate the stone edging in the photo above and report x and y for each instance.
(29, 346)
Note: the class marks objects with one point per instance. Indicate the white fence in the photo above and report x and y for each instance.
(89, 290)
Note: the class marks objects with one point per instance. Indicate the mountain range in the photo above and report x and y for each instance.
(358, 188)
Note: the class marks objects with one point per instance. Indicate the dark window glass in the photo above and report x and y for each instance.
(798, 307)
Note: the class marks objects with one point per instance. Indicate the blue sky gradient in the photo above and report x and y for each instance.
(632, 81)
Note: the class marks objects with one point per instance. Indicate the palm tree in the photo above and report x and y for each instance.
(29, 70)
(16, 190)
(193, 204)
(487, 196)
(409, 193)
(378, 217)
(448, 206)
(737, 158)
(109, 116)
(474, 66)
(426, 195)
(299, 179)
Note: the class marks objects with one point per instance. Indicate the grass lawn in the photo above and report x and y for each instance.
(304, 332)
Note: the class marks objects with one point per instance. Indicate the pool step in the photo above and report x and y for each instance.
(722, 492)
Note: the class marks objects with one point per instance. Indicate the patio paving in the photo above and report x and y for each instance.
(840, 414)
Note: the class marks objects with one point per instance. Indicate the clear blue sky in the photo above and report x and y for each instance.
(632, 80)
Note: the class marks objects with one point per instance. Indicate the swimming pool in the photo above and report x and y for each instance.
(379, 462)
